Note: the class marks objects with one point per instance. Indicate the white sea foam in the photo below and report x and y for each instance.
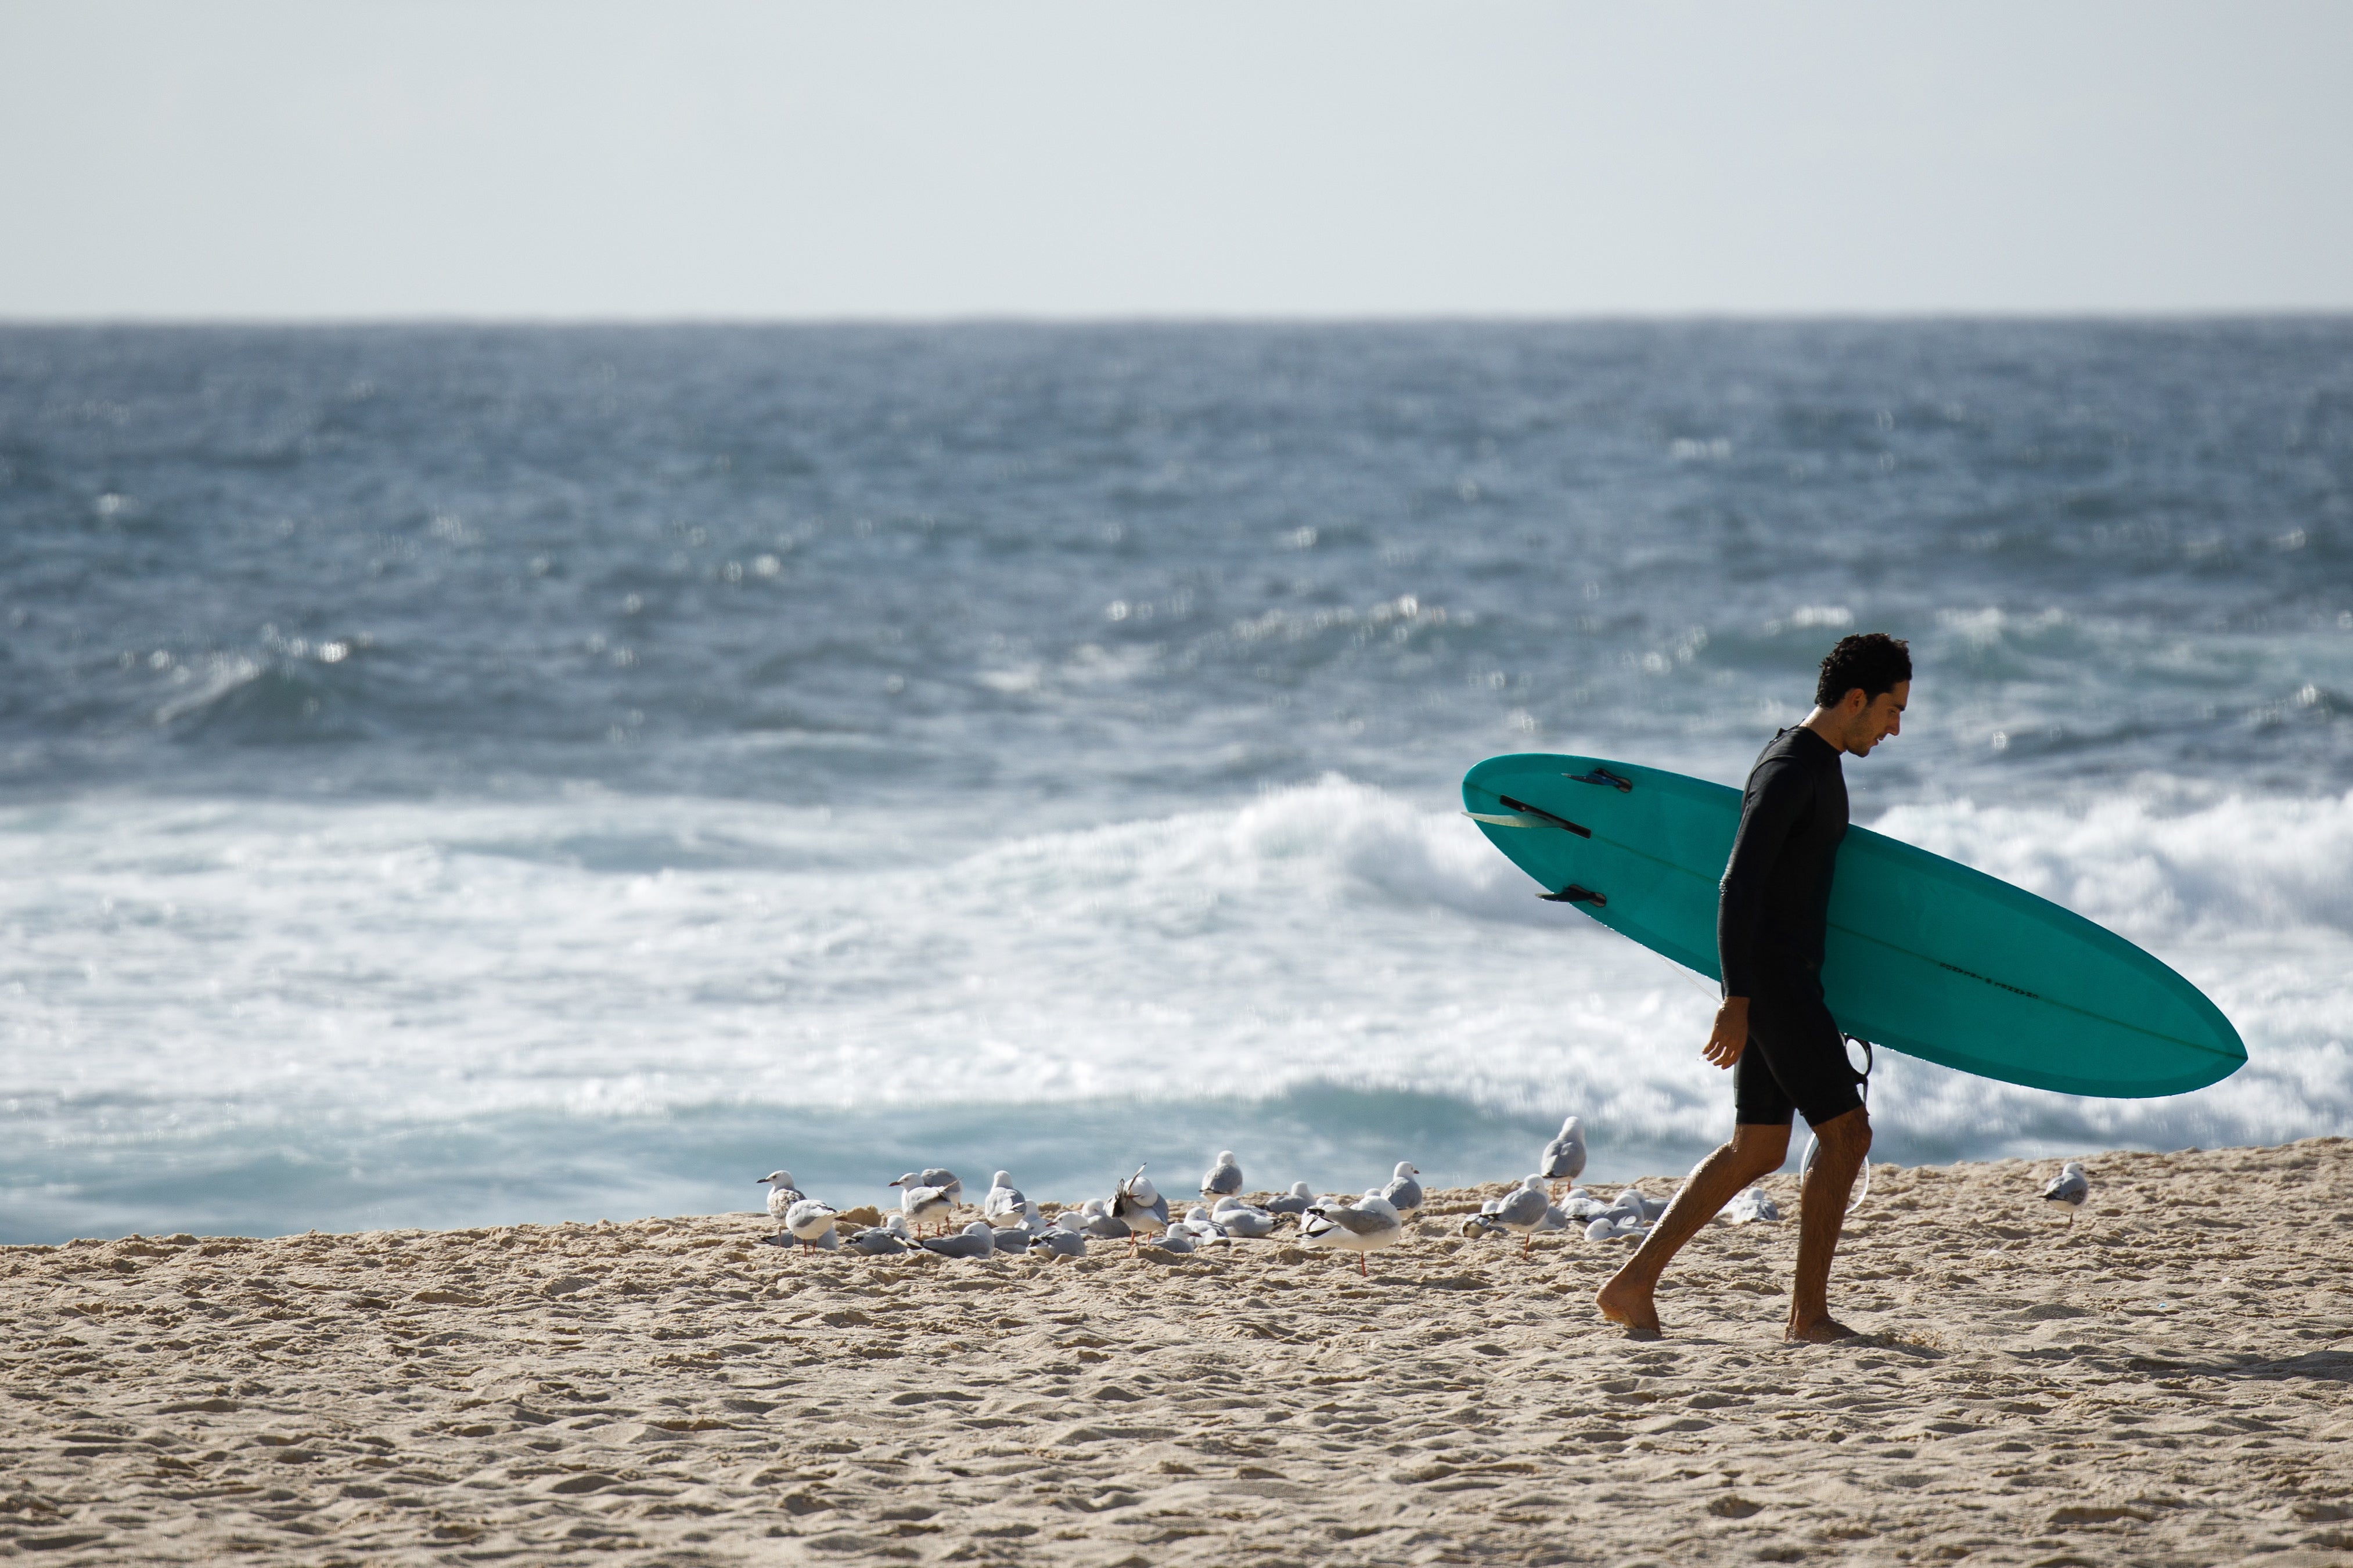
(232, 962)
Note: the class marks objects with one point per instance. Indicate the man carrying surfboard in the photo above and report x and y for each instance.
(1772, 1028)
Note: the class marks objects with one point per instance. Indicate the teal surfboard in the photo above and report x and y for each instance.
(1923, 955)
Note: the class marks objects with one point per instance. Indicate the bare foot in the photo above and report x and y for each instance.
(1623, 1301)
(1824, 1330)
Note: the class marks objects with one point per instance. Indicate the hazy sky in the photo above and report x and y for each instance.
(880, 158)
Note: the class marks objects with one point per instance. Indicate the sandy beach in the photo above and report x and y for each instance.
(2164, 1381)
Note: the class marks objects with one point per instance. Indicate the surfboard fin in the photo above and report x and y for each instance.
(1544, 816)
(1573, 894)
(1603, 776)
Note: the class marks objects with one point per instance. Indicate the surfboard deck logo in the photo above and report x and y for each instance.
(1923, 955)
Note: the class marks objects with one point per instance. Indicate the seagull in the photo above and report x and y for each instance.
(923, 1203)
(2071, 1188)
(1750, 1207)
(1004, 1202)
(1564, 1157)
(1608, 1229)
(1403, 1194)
(1523, 1210)
(1293, 1202)
(1058, 1241)
(782, 1193)
(879, 1241)
(946, 1180)
(1363, 1226)
(1204, 1226)
(974, 1241)
(1139, 1206)
(1224, 1178)
(1582, 1205)
(1094, 1220)
(811, 1224)
(1235, 1217)
(1633, 1205)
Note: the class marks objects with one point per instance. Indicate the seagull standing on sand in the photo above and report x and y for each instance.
(1139, 1206)
(2071, 1188)
(923, 1203)
(1004, 1204)
(811, 1224)
(1564, 1157)
(1366, 1225)
(1523, 1210)
(1224, 1178)
(782, 1193)
(1403, 1194)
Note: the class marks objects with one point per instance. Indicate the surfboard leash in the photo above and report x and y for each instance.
(1862, 1091)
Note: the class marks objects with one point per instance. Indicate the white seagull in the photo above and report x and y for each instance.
(1139, 1206)
(1403, 1194)
(1004, 1204)
(1367, 1226)
(782, 1193)
(922, 1203)
(1224, 1178)
(1295, 1202)
(974, 1241)
(1235, 1217)
(1564, 1157)
(1523, 1210)
(2070, 1187)
(1058, 1240)
(879, 1241)
(811, 1224)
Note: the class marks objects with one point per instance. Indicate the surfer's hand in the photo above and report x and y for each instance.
(1730, 1036)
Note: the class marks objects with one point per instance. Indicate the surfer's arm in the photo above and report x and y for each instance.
(1780, 794)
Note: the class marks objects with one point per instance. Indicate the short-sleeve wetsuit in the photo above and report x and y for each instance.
(1771, 911)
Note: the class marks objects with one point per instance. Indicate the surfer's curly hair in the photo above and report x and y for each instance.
(1871, 660)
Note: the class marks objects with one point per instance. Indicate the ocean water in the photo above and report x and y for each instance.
(459, 775)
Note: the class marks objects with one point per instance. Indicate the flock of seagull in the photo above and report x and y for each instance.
(1136, 1212)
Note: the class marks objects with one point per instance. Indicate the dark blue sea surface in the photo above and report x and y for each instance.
(477, 773)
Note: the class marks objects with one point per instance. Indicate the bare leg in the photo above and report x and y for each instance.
(1756, 1150)
(1845, 1142)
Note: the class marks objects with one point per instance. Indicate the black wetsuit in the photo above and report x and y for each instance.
(1771, 910)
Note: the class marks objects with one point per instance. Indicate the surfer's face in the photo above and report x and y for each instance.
(1868, 723)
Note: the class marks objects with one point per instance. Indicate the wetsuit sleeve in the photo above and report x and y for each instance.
(1779, 796)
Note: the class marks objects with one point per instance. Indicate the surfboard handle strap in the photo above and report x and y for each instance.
(1862, 1084)
(1603, 776)
(1524, 809)
(1573, 894)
